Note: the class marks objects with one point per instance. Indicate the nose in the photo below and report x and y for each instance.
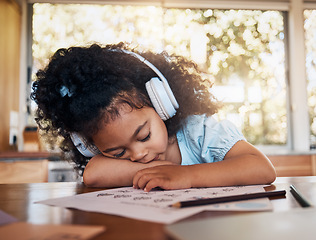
(138, 154)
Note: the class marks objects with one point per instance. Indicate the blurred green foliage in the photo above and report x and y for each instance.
(241, 51)
(310, 43)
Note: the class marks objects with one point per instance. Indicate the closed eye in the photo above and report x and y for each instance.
(146, 138)
(121, 154)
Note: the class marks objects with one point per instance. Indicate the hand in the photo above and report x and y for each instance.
(166, 177)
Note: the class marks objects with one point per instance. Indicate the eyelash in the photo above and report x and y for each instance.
(146, 138)
(120, 154)
(141, 140)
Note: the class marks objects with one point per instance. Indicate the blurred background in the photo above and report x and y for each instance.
(260, 56)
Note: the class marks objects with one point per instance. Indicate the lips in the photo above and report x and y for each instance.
(148, 161)
(154, 159)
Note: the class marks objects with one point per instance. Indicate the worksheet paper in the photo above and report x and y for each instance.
(154, 206)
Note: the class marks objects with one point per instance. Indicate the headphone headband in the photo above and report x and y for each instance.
(160, 75)
(160, 94)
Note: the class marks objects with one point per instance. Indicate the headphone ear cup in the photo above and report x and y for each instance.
(160, 98)
(83, 146)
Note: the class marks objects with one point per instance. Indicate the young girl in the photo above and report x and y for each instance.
(116, 107)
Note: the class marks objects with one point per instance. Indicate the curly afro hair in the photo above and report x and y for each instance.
(99, 78)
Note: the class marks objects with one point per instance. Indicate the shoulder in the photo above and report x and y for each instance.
(208, 138)
(203, 124)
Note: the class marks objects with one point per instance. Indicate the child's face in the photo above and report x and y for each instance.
(137, 135)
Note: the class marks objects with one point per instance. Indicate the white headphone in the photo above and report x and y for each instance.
(160, 95)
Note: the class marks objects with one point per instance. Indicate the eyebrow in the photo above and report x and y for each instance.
(140, 127)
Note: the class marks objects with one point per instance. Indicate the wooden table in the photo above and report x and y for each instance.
(18, 201)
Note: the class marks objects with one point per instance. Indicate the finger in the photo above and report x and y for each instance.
(153, 183)
(135, 180)
(137, 176)
(149, 181)
(142, 180)
(166, 183)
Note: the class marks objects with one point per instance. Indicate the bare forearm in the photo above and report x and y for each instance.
(246, 171)
(242, 165)
(104, 172)
(109, 173)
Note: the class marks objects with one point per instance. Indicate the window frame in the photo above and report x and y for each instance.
(297, 108)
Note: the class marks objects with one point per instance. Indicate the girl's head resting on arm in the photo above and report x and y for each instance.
(82, 87)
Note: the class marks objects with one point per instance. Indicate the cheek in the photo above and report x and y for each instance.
(161, 136)
(102, 138)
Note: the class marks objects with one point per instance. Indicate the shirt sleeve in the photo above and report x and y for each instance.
(204, 140)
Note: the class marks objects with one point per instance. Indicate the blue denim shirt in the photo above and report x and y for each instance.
(202, 139)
